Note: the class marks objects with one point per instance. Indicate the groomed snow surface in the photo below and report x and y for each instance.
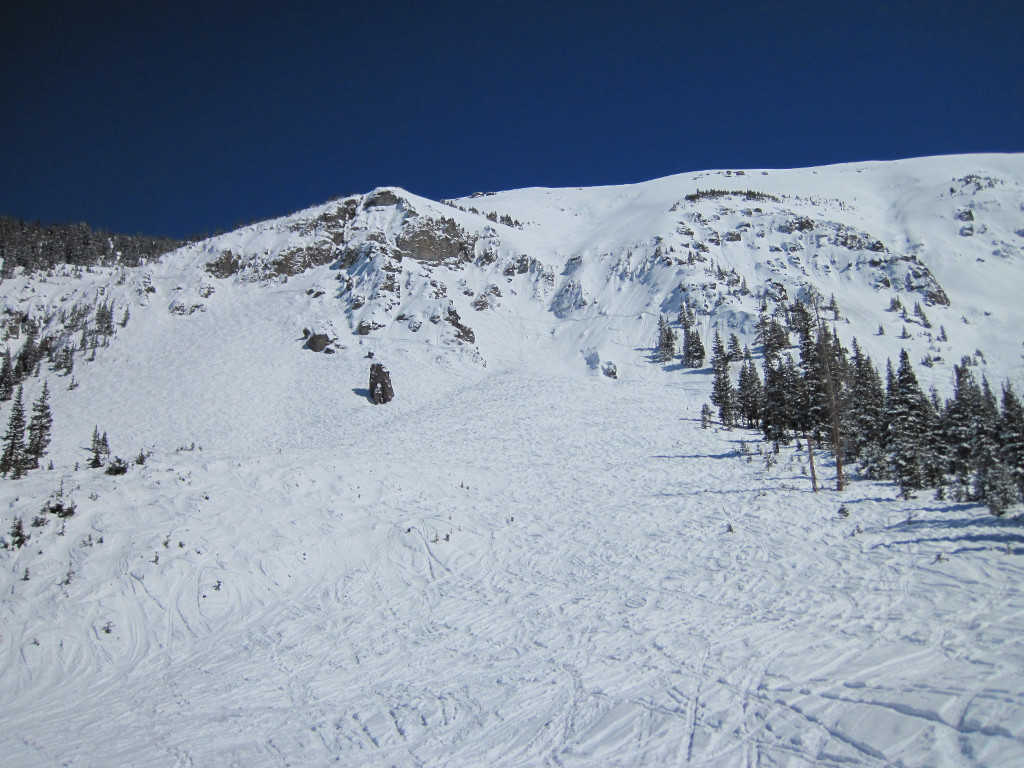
(515, 567)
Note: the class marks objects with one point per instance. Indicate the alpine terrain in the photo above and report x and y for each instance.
(585, 530)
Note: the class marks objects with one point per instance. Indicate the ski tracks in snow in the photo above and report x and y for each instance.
(532, 571)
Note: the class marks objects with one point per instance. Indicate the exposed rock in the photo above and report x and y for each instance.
(381, 390)
(317, 342)
(609, 370)
(803, 224)
(520, 266)
(331, 222)
(178, 307)
(296, 260)
(775, 291)
(225, 265)
(382, 198)
(366, 327)
(441, 241)
(462, 332)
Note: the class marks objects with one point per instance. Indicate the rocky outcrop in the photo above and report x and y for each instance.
(462, 331)
(439, 241)
(381, 198)
(225, 265)
(317, 342)
(381, 390)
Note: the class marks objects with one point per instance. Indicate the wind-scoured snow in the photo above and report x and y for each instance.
(519, 561)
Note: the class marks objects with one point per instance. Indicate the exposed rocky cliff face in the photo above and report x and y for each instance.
(724, 244)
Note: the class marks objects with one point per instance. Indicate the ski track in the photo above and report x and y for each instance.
(589, 607)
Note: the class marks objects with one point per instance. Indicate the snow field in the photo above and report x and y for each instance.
(589, 605)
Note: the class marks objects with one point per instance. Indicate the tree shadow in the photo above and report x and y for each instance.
(986, 521)
(991, 538)
(730, 455)
(876, 499)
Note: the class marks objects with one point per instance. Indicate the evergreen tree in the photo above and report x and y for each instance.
(921, 315)
(6, 377)
(867, 417)
(970, 423)
(984, 445)
(1011, 436)
(749, 394)
(814, 417)
(723, 394)
(25, 364)
(96, 449)
(800, 320)
(936, 460)
(781, 399)
(685, 317)
(1000, 492)
(834, 371)
(772, 335)
(909, 419)
(833, 307)
(666, 341)
(705, 416)
(718, 354)
(13, 459)
(105, 320)
(735, 353)
(39, 427)
(693, 349)
(17, 533)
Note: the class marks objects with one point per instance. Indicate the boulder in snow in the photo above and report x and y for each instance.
(317, 342)
(380, 384)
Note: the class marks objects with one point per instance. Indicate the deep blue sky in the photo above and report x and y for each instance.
(199, 116)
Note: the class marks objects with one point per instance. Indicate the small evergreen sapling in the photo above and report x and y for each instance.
(118, 466)
(99, 448)
(706, 415)
(96, 449)
(18, 536)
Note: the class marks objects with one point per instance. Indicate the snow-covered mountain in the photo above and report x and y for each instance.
(534, 554)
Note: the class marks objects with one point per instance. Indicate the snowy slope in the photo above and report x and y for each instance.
(519, 561)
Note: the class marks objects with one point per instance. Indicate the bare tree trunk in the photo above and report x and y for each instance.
(810, 455)
(833, 406)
